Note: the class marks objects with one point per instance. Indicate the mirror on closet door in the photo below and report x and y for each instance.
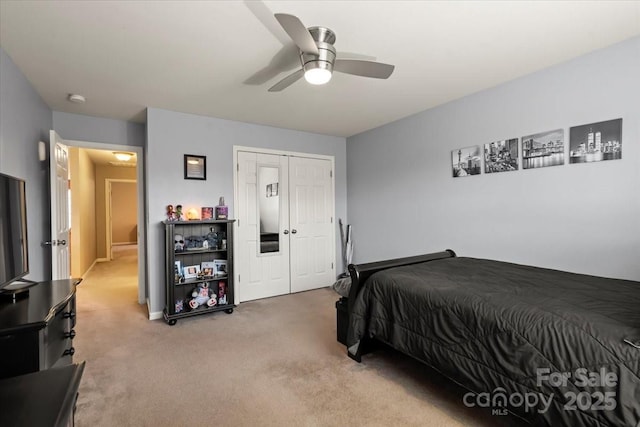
(269, 208)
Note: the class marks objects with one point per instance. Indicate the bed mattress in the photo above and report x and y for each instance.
(552, 346)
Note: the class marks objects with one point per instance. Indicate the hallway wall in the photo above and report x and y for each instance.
(104, 172)
(124, 212)
(83, 211)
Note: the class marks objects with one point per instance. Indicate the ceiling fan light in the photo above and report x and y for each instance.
(317, 76)
(123, 157)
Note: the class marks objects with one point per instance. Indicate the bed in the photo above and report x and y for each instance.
(553, 347)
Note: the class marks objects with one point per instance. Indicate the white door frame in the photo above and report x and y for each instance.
(109, 211)
(142, 260)
(236, 149)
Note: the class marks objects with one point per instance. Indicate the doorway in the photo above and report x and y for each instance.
(285, 239)
(90, 205)
(121, 214)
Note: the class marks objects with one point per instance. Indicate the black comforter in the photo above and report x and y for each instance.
(546, 344)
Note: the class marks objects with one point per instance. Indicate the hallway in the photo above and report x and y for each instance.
(112, 286)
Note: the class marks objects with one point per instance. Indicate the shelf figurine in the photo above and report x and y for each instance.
(222, 210)
(222, 292)
(178, 241)
(202, 295)
(179, 213)
(170, 213)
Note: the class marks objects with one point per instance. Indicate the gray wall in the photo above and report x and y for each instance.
(577, 217)
(170, 135)
(24, 121)
(96, 129)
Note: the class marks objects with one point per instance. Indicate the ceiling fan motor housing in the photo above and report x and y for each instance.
(324, 39)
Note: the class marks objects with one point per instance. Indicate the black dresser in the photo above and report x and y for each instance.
(36, 330)
(41, 399)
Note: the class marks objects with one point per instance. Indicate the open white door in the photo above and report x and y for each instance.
(312, 228)
(60, 224)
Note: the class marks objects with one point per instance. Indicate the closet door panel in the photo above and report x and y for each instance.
(263, 261)
(311, 207)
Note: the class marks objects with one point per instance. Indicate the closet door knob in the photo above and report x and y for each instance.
(286, 231)
(294, 231)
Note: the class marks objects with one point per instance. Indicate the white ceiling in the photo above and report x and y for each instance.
(212, 58)
(106, 157)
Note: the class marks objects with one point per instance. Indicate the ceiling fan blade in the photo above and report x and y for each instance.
(265, 15)
(357, 67)
(287, 59)
(287, 81)
(298, 33)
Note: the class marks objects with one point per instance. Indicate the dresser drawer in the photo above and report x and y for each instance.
(19, 354)
(36, 327)
(57, 338)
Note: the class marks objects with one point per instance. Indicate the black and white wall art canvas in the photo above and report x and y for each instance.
(596, 142)
(501, 156)
(543, 149)
(466, 161)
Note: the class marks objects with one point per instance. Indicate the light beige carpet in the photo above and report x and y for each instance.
(273, 362)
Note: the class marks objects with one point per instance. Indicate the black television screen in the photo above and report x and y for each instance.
(14, 262)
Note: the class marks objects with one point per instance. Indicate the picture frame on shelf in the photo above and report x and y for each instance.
(207, 212)
(221, 267)
(177, 271)
(208, 269)
(191, 271)
(222, 292)
(195, 167)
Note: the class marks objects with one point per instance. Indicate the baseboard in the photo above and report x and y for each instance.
(124, 243)
(155, 315)
(84, 275)
(102, 259)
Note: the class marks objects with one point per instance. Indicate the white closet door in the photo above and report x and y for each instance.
(263, 246)
(311, 210)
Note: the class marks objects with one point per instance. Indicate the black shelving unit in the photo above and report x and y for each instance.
(189, 251)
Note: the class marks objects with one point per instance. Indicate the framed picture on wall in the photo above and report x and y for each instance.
(596, 142)
(466, 161)
(543, 149)
(501, 156)
(195, 167)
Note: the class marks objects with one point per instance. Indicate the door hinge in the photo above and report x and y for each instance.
(238, 222)
(332, 266)
(330, 174)
(238, 278)
(238, 167)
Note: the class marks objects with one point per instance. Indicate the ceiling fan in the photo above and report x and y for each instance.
(318, 56)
